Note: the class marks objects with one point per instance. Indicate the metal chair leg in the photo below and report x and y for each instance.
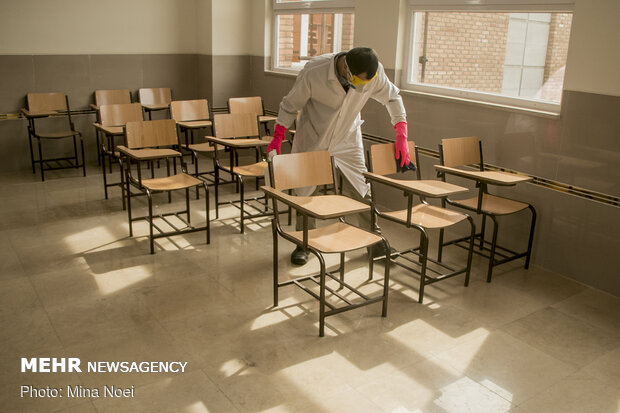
(493, 245)
(531, 238)
(275, 262)
(482, 230)
(241, 196)
(386, 277)
(129, 203)
(424, 255)
(470, 251)
(151, 240)
(321, 296)
(207, 213)
(41, 160)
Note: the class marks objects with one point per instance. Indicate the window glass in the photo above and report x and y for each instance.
(303, 36)
(520, 55)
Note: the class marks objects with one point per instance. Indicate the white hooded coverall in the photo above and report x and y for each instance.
(330, 117)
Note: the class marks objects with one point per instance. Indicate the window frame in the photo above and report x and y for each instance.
(301, 7)
(517, 6)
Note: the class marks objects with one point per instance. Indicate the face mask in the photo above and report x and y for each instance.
(357, 82)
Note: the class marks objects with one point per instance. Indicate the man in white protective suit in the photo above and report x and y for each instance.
(329, 93)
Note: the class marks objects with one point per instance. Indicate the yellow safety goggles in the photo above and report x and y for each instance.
(356, 81)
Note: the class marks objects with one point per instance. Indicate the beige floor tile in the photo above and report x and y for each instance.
(17, 295)
(192, 392)
(506, 365)
(349, 401)
(27, 334)
(595, 307)
(10, 265)
(87, 407)
(93, 319)
(562, 336)
(606, 368)
(576, 393)
(493, 305)
(185, 297)
(548, 287)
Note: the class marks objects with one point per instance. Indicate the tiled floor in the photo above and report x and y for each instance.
(73, 284)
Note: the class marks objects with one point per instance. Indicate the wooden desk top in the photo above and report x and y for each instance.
(489, 177)
(430, 188)
(29, 114)
(109, 130)
(148, 153)
(320, 206)
(238, 143)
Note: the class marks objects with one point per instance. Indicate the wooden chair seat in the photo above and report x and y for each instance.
(428, 216)
(202, 147)
(338, 237)
(57, 135)
(195, 124)
(492, 204)
(171, 183)
(254, 170)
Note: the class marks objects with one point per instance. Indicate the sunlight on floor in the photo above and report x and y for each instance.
(465, 395)
(198, 407)
(114, 281)
(90, 239)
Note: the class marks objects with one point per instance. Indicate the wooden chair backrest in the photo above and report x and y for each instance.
(460, 151)
(149, 133)
(235, 125)
(187, 110)
(46, 102)
(120, 114)
(112, 97)
(252, 104)
(155, 96)
(297, 170)
(382, 157)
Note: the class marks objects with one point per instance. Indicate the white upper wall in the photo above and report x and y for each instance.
(232, 27)
(376, 26)
(593, 63)
(97, 26)
(204, 35)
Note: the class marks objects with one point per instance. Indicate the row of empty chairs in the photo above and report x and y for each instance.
(315, 168)
(53, 105)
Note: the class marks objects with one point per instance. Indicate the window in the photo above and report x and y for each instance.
(515, 57)
(304, 29)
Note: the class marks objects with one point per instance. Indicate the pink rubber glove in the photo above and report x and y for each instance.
(278, 137)
(401, 149)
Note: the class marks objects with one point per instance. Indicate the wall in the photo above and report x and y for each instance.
(66, 27)
(594, 55)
